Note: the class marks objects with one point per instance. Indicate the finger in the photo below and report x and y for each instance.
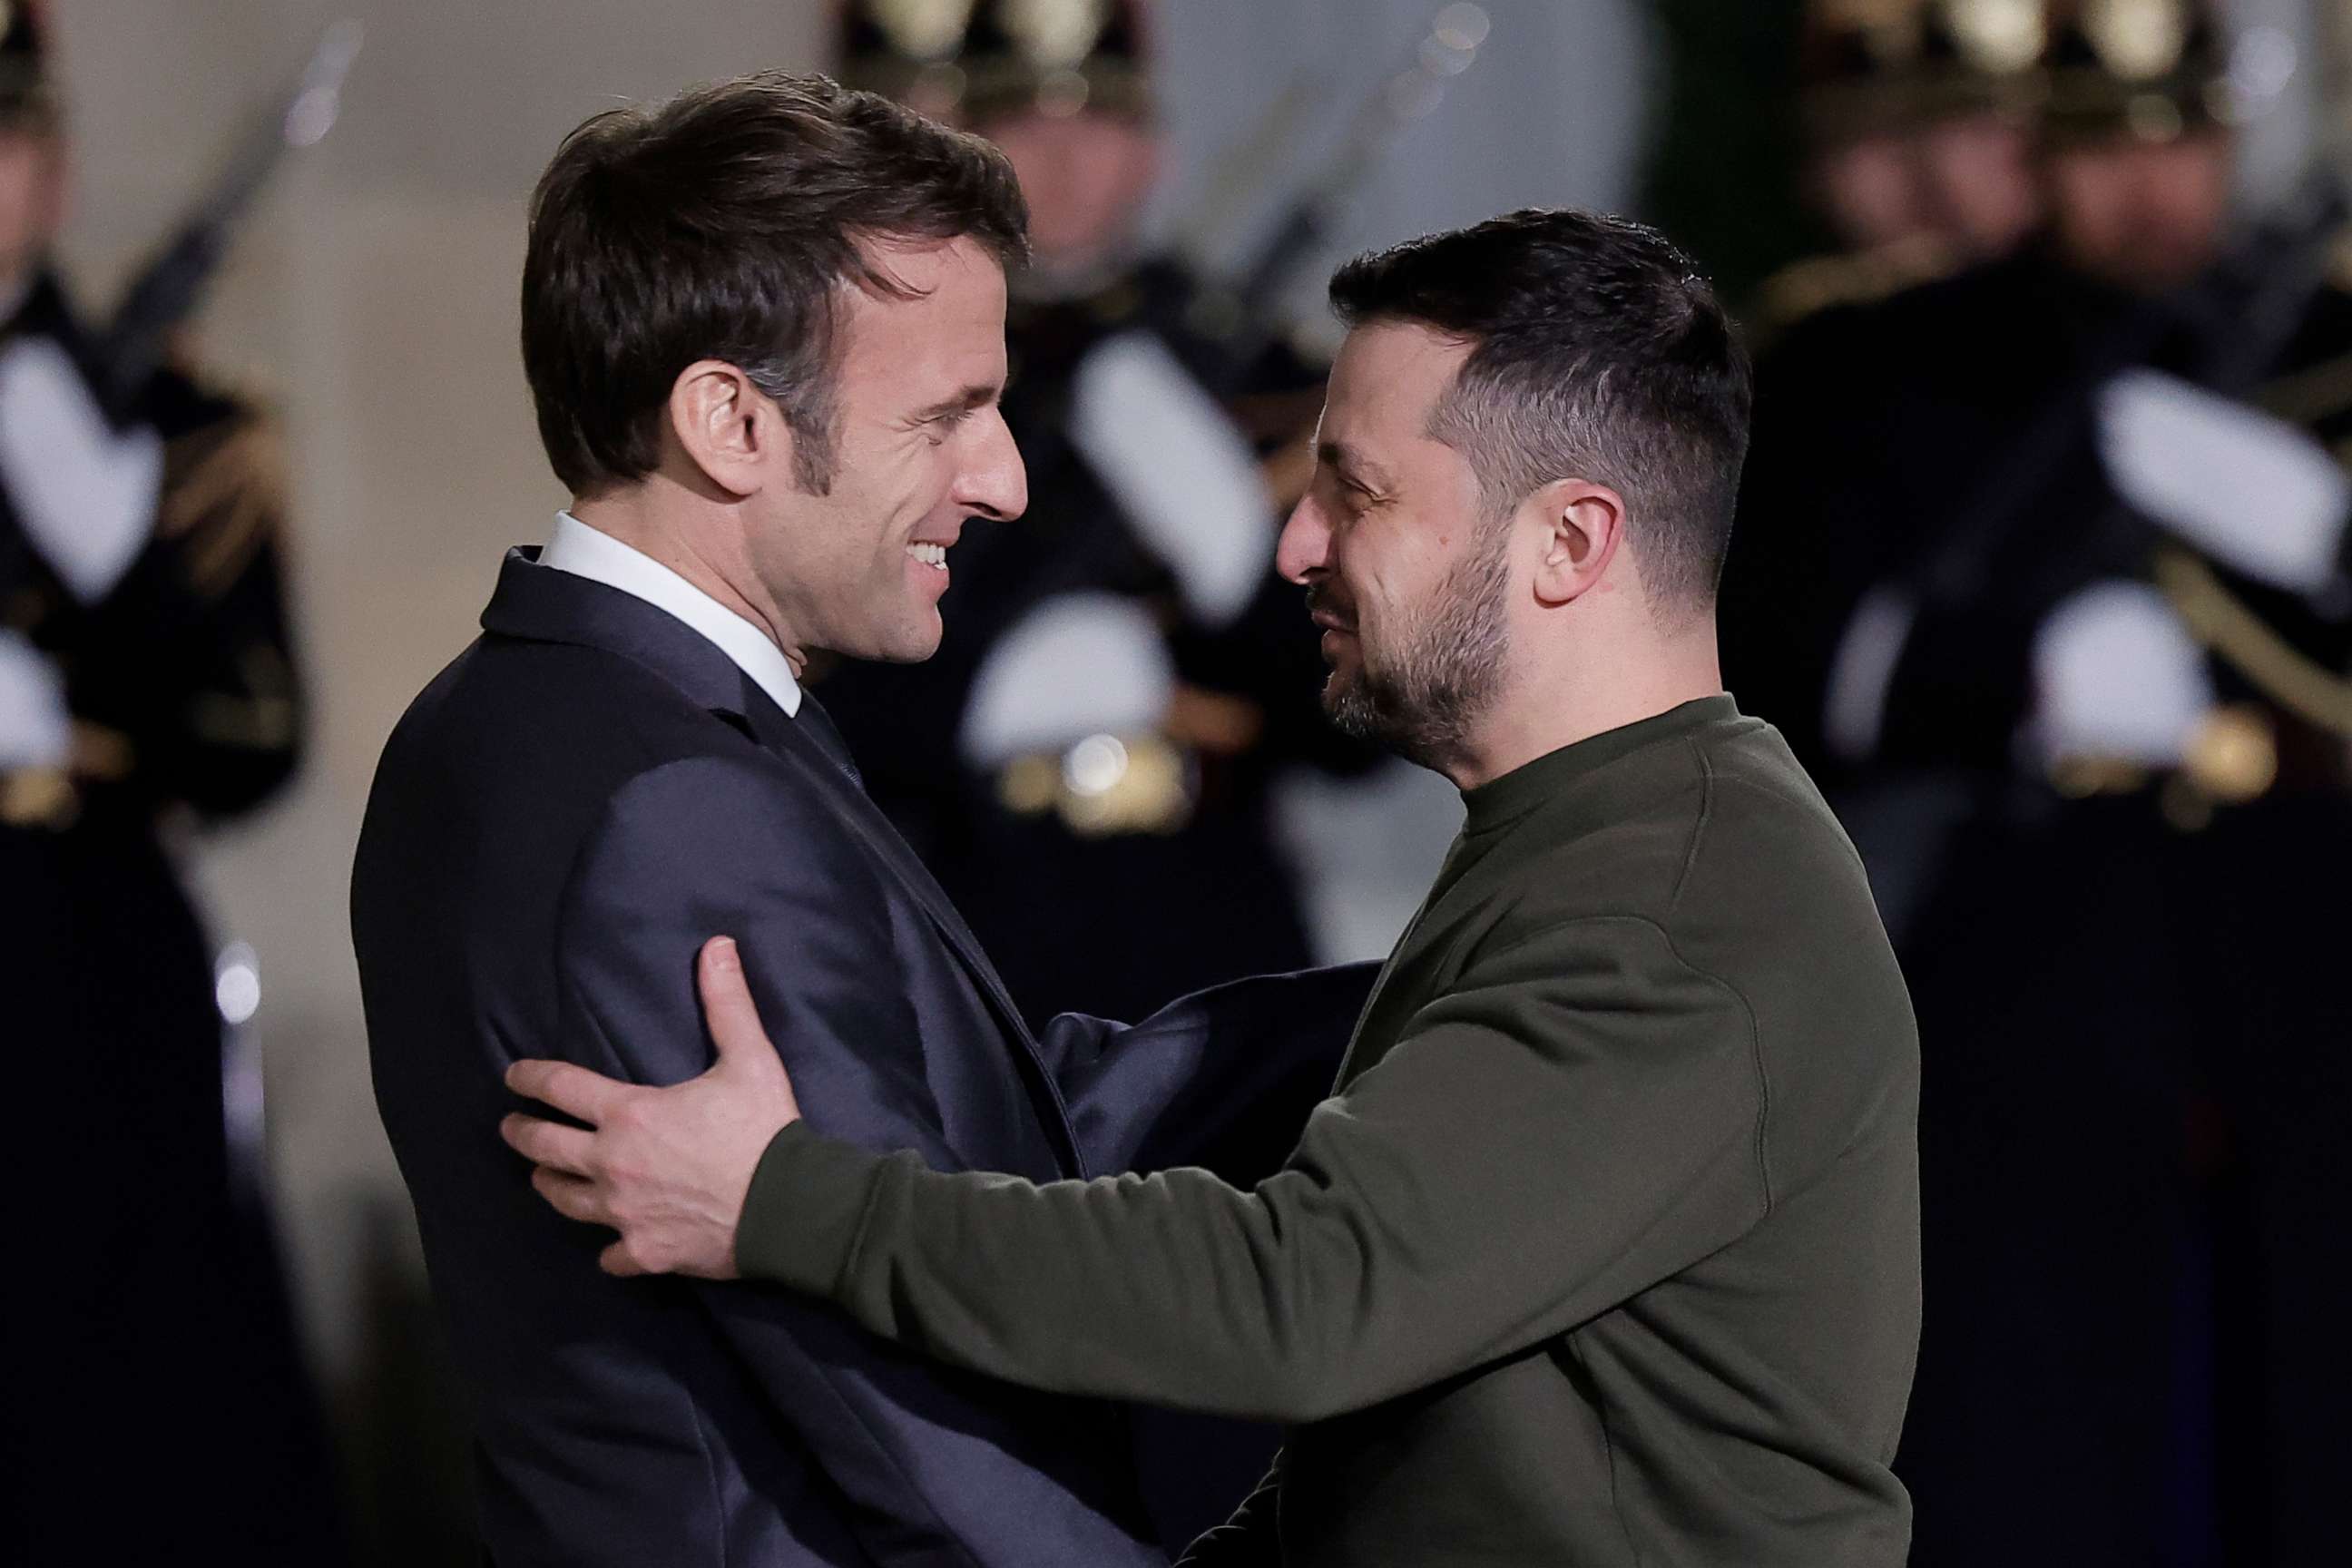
(566, 1149)
(574, 1091)
(618, 1261)
(727, 1006)
(570, 1197)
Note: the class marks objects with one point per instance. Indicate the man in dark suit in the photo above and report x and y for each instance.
(764, 328)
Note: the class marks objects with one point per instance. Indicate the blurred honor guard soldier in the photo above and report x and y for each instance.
(1918, 121)
(1123, 673)
(2043, 569)
(156, 1406)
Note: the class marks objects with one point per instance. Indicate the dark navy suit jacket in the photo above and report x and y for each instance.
(559, 821)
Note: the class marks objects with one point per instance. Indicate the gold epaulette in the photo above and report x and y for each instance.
(225, 496)
(1804, 289)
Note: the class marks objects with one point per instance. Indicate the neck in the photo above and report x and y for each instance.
(699, 539)
(1582, 695)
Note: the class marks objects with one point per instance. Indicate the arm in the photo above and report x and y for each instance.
(1223, 1078)
(1581, 1118)
(938, 1465)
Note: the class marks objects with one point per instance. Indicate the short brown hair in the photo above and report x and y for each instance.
(723, 224)
(1599, 352)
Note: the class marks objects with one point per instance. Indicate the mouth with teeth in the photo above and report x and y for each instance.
(932, 556)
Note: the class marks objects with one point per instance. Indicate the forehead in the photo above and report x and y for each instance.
(1388, 379)
(951, 311)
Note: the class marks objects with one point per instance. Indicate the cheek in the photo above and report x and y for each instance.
(875, 493)
(1385, 603)
(915, 494)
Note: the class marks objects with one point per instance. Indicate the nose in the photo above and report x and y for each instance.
(1304, 552)
(993, 481)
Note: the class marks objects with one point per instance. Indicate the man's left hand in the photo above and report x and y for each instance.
(667, 1168)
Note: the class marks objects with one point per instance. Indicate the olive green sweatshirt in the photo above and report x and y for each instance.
(1603, 1251)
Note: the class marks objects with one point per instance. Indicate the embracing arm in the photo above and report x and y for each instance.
(1580, 1118)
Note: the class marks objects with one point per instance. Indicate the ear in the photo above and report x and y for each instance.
(1579, 526)
(728, 429)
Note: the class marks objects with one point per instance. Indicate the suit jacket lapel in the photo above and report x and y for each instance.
(783, 736)
(544, 605)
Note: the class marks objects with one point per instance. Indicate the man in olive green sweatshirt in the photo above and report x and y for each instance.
(1605, 1248)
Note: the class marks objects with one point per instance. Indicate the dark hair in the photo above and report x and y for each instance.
(1601, 355)
(724, 225)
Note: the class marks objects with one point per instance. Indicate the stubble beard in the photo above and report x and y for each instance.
(1424, 699)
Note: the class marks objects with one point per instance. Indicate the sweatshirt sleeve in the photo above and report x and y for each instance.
(1579, 1116)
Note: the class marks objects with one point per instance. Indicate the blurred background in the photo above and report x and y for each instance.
(1882, 188)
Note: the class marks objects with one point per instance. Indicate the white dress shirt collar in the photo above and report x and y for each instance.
(585, 551)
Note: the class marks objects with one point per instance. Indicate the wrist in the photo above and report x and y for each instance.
(804, 1211)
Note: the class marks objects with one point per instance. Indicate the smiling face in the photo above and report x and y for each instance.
(920, 449)
(1404, 570)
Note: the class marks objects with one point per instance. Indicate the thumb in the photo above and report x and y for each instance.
(728, 1009)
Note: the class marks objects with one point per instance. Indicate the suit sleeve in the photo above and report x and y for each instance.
(1580, 1117)
(1223, 1079)
(938, 1465)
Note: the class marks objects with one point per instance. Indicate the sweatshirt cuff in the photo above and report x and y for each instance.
(806, 1207)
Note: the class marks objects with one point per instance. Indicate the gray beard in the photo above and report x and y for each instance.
(1436, 689)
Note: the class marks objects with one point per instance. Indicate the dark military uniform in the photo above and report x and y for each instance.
(1893, 70)
(2131, 1025)
(156, 1397)
(2132, 1034)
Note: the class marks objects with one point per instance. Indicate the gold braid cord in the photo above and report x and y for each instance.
(224, 493)
(2234, 634)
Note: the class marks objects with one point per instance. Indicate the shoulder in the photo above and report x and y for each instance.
(1625, 857)
(1769, 843)
(1777, 901)
(1911, 317)
(1753, 776)
(717, 830)
(577, 713)
(1834, 287)
(1690, 821)
(593, 735)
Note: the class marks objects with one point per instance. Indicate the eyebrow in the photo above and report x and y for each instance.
(979, 394)
(1353, 466)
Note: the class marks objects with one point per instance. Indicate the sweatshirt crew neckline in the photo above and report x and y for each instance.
(1500, 802)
